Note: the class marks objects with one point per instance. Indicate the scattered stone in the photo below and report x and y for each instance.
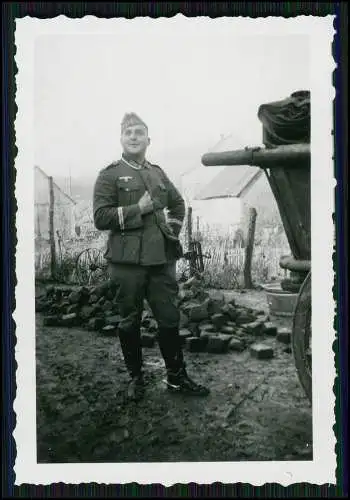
(284, 335)
(218, 321)
(93, 298)
(65, 304)
(109, 330)
(205, 335)
(263, 319)
(100, 290)
(69, 319)
(231, 323)
(113, 320)
(255, 328)
(96, 323)
(206, 327)
(244, 318)
(107, 305)
(216, 301)
(84, 296)
(218, 343)
(230, 311)
(208, 321)
(287, 350)
(201, 296)
(194, 329)
(191, 282)
(240, 334)
(261, 351)
(197, 312)
(185, 333)
(62, 309)
(236, 345)
(185, 296)
(86, 312)
(55, 309)
(195, 344)
(147, 340)
(229, 330)
(73, 309)
(74, 297)
(270, 329)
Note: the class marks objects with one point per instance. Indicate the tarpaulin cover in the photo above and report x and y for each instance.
(287, 121)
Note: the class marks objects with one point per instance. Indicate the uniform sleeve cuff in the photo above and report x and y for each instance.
(132, 217)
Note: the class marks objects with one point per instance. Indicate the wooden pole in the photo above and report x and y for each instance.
(249, 249)
(190, 241)
(52, 229)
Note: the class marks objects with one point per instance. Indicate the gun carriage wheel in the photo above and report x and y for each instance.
(301, 337)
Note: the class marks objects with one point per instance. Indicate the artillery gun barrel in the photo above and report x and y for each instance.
(260, 157)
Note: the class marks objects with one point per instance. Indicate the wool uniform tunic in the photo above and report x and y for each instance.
(146, 240)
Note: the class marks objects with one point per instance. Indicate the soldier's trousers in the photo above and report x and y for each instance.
(159, 286)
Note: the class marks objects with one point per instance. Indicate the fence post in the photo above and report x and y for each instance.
(190, 241)
(52, 229)
(249, 249)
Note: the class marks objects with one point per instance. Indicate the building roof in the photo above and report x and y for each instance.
(232, 182)
(223, 181)
(55, 185)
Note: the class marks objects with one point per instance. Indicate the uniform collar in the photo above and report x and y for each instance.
(134, 164)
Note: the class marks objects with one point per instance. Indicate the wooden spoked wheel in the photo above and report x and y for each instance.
(301, 339)
(91, 267)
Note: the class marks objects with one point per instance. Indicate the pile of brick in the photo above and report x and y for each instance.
(212, 324)
(209, 322)
(92, 307)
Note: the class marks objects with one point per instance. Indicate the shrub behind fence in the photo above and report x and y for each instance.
(223, 257)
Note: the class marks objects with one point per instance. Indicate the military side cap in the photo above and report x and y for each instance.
(131, 119)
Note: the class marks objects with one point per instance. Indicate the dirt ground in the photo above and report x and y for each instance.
(257, 410)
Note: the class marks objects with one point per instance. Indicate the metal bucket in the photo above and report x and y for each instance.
(280, 302)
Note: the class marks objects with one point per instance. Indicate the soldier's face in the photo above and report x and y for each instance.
(135, 140)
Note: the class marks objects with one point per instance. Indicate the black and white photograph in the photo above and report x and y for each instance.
(175, 236)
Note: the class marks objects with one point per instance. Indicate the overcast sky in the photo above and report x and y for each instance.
(189, 87)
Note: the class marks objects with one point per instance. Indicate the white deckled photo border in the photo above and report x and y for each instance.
(322, 469)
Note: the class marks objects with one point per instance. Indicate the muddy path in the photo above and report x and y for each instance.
(257, 409)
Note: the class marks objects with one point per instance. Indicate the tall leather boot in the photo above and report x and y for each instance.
(130, 343)
(177, 377)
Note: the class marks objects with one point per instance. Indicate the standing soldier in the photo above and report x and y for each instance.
(130, 196)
